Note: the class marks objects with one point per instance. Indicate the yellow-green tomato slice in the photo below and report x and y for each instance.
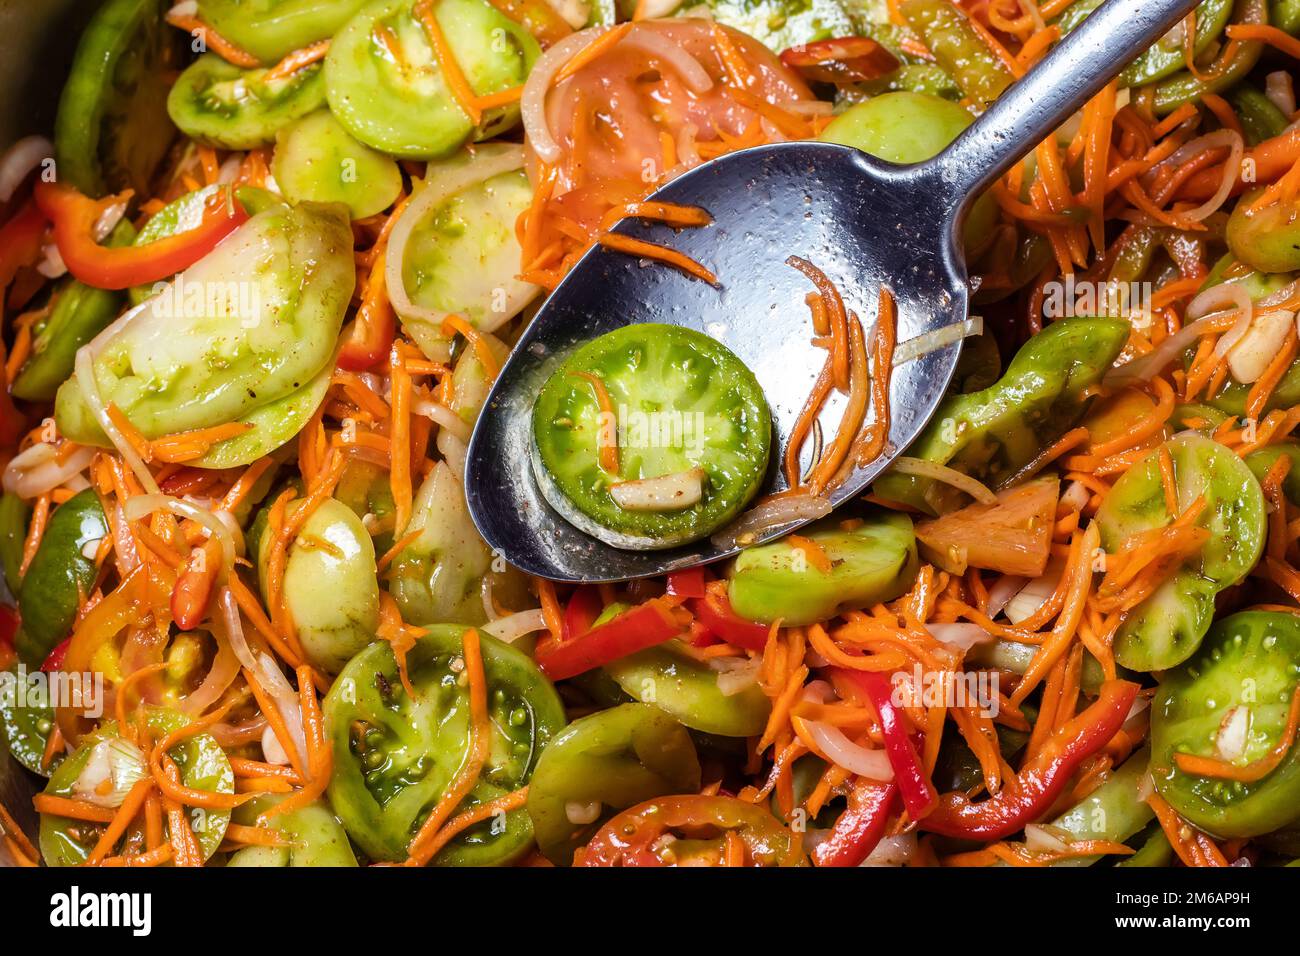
(317, 159)
(680, 401)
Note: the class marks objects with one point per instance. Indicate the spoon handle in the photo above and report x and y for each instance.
(1091, 56)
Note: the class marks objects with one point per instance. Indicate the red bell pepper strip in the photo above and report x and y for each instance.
(643, 626)
(581, 611)
(20, 241)
(369, 337)
(688, 584)
(715, 613)
(913, 782)
(74, 216)
(841, 60)
(860, 826)
(54, 660)
(1033, 791)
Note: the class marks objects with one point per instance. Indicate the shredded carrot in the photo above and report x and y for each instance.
(35, 531)
(58, 806)
(445, 56)
(813, 552)
(598, 47)
(607, 432)
(213, 40)
(454, 324)
(297, 60)
(838, 318)
(399, 476)
(649, 250)
(1253, 772)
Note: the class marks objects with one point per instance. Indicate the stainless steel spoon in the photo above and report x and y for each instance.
(863, 221)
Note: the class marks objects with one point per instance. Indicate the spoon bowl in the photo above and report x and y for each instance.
(866, 223)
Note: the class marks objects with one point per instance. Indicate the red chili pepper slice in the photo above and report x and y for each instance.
(860, 827)
(715, 613)
(54, 661)
(643, 626)
(74, 216)
(841, 60)
(913, 782)
(1031, 793)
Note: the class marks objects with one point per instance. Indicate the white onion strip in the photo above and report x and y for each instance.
(928, 342)
(37, 470)
(19, 160)
(1236, 149)
(838, 749)
(514, 626)
(906, 465)
(769, 514)
(443, 417)
(532, 102)
(488, 163)
(656, 44)
(136, 508)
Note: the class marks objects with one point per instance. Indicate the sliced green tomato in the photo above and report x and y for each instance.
(111, 131)
(682, 401)
(244, 328)
(688, 690)
(273, 425)
(407, 109)
(1164, 57)
(80, 312)
(780, 24)
(365, 489)
(330, 585)
(315, 836)
(272, 29)
(185, 213)
(873, 562)
(60, 576)
(1248, 660)
(202, 763)
(1259, 463)
(395, 756)
(1266, 239)
(1114, 811)
(463, 254)
(602, 764)
(25, 729)
(217, 103)
(317, 159)
(438, 577)
(1166, 628)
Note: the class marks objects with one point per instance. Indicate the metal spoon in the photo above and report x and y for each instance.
(863, 221)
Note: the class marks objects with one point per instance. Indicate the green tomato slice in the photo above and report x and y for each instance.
(315, 837)
(220, 104)
(1267, 239)
(682, 401)
(604, 763)
(1166, 628)
(689, 691)
(317, 159)
(14, 514)
(1164, 57)
(245, 327)
(202, 763)
(1249, 660)
(405, 107)
(330, 585)
(873, 562)
(60, 576)
(25, 729)
(394, 755)
(272, 29)
(780, 24)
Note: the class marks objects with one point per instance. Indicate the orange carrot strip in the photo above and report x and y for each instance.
(649, 250)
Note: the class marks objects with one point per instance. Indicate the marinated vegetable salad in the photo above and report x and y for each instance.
(258, 285)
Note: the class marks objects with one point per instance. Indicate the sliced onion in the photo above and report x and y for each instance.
(1284, 296)
(454, 451)
(906, 465)
(37, 470)
(683, 63)
(1040, 838)
(489, 162)
(960, 635)
(1234, 733)
(893, 851)
(18, 162)
(1259, 345)
(682, 489)
(928, 342)
(272, 749)
(139, 506)
(1154, 362)
(768, 515)
(736, 674)
(222, 673)
(1076, 496)
(532, 103)
(1237, 148)
(115, 762)
(1280, 89)
(581, 814)
(1033, 595)
(514, 626)
(443, 417)
(1003, 590)
(839, 750)
(1214, 300)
